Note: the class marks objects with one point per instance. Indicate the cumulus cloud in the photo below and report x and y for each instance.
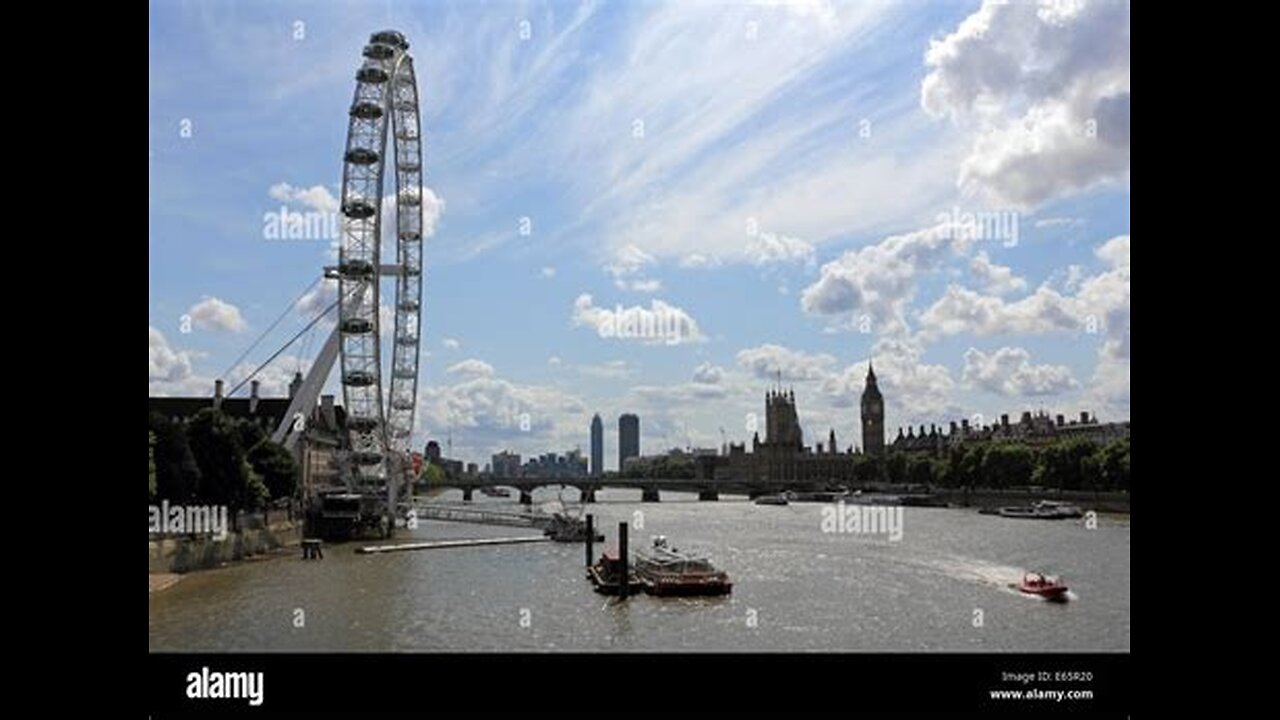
(163, 362)
(450, 344)
(471, 368)
(1009, 371)
(878, 280)
(961, 310)
(708, 373)
(1045, 89)
(1098, 305)
(767, 248)
(708, 384)
(1106, 298)
(212, 313)
(995, 279)
(1108, 392)
(766, 361)
(659, 324)
(486, 413)
(914, 391)
(316, 197)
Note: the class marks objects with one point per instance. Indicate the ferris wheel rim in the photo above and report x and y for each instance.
(385, 100)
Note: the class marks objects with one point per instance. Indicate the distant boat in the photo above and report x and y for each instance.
(857, 497)
(1041, 510)
(1025, 512)
(563, 528)
(667, 571)
(1047, 587)
(1057, 510)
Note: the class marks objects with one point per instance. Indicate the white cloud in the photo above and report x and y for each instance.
(1115, 251)
(212, 313)
(767, 248)
(433, 207)
(709, 383)
(450, 344)
(628, 267)
(961, 310)
(548, 272)
(659, 324)
(1009, 371)
(767, 360)
(1044, 88)
(878, 280)
(554, 361)
(163, 362)
(708, 373)
(273, 380)
(914, 391)
(485, 413)
(316, 197)
(1072, 277)
(471, 368)
(1108, 393)
(995, 279)
(1099, 306)
(318, 299)
(732, 127)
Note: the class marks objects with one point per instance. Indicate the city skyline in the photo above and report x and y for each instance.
(765, 232)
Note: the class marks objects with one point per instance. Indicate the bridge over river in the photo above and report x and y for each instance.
(650, 488)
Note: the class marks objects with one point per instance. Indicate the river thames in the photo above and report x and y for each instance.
(943, 586)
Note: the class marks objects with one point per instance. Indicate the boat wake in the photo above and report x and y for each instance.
(1003, 577)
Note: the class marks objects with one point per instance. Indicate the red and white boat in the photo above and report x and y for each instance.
(1047, 587)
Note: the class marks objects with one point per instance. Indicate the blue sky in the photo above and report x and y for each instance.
(795, 186)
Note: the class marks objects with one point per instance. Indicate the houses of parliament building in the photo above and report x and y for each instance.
(782, 454)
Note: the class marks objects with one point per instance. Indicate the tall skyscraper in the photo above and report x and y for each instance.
(872, 416)
(597, 446)
(628, 438)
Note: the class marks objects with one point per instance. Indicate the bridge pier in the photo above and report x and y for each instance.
(649, 495)
(710, 495)
(588, 495)
(466, 495)
(526, 497)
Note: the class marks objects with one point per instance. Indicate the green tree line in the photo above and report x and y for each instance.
(663, 466)
(216, 459)
(1065, 465)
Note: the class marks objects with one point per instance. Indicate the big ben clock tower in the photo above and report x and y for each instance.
(872, 416)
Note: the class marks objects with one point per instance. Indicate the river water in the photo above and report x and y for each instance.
(797, 587)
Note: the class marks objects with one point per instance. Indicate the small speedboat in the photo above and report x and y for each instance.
(1047, 587)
